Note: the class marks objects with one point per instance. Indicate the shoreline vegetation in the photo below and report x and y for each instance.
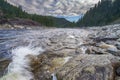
(8, 12)
(105, 12)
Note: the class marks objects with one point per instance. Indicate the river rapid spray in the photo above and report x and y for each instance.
(19, 68)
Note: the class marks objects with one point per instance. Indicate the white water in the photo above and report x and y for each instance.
(67, 59)
(54, 77)
(19, 68)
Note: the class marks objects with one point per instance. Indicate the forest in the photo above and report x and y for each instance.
(104, 13)
(8, 11)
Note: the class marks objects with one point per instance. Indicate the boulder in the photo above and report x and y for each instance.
(3, 66)
(44, 65)
(109, 48)
(88, 67)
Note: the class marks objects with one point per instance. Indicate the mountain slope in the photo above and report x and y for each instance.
(55, 7)
(9, 12)
(105, 12)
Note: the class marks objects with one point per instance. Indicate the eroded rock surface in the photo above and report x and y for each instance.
(88, 67)
(73, 54)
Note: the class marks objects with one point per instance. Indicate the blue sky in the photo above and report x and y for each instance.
(71, 18)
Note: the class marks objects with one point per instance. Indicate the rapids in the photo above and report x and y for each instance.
(16, 45)
(19, 68)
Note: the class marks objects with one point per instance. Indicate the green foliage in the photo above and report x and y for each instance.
(10, 11)
(103, 13)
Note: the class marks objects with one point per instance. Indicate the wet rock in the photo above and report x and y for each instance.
(118, 71)
(104, 39)
(118, 45)
(117, 53)
(118, 40)
(99, 73)
(58, 38)
(45, 64)
(58, 62)
(112, 50)
(90, 51)
(111, 42)
(79, 51)
(109, 48)
(95, 50)
(70, 40)
(66, 52)
(88, 67)
(98, 50)
(117, 78)
(104, 28)
(3, 66)
(118, 33)
(69, 46)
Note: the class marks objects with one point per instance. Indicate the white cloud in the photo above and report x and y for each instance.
(55, 7)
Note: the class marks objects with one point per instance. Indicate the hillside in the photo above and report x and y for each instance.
(116, 21)
(8, 12)
(105, 12)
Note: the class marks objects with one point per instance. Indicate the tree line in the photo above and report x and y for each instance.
(9, 11)
(103, 13)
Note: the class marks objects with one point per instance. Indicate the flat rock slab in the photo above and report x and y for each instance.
(88, 67)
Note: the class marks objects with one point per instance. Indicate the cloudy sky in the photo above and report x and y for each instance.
(55, 7)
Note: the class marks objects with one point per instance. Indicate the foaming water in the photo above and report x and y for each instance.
(54, 77)
(19, 68)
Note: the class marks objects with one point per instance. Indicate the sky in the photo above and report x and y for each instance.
(55, 7)
(70, 9)
(71, 18)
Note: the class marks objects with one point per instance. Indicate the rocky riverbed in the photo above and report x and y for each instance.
(68, 54)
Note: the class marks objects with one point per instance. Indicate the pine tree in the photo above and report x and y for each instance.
(103, 13)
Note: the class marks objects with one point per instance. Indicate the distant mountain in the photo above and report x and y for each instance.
(55, 7)
(105, 12)
(8, 12)
(71, 18)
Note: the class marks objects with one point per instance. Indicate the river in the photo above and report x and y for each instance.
(16, 45)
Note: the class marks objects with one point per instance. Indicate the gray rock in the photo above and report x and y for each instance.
(88, 67)
(112, 50)
(118, 71)
(98, 50)
(3, 66)
(118, 40)
(109, 48)
(118, 45)
(91, 60)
